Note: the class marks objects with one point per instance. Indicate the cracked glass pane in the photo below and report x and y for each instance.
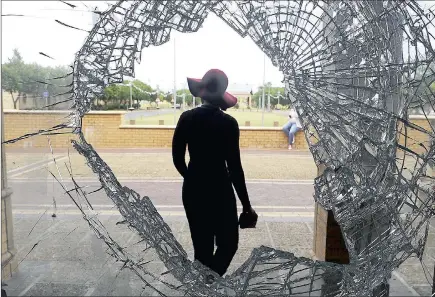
(355, 71)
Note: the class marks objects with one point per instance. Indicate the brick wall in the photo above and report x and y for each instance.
(105, 130)
(18, 123)
(415, 137)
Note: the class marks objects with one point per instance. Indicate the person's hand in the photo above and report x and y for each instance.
(248, 209)
(248, 219)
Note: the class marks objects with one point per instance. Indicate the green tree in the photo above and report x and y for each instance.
(110, 96)
(187, 96)
(33, 79)
(10, 82)
(117, 96)
(256, 98)
(140, 92)
(11, 76)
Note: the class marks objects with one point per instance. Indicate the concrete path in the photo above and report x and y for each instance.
(146, 113)
(263, 194)
(14, 150)
(61, 256)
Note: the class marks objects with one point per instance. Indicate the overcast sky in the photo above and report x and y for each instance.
(213, 46)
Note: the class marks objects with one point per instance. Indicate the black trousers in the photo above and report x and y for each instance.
(212, 220)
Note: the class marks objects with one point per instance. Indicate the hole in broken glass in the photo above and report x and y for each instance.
(322, 106)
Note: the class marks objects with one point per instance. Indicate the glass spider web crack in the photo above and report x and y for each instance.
(353, 79)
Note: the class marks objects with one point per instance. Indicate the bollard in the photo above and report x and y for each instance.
(132, 122)
(275, 124)
(329, 243)
(161, 122)
(247, 123)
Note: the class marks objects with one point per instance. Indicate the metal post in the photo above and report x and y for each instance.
(8, 261)
(131, 95)
(175, 88)
(184, 101)
(279, 95)
(46, 87)
(264, 85)
(268, 100)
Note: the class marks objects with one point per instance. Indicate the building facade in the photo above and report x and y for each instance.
(243, 94)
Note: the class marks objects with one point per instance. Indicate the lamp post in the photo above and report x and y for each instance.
(46, 93)
(274, 97)
(183, 96)
(184, 101)
(131, 97)
(9, 261)
(175, 88)
(264, 85)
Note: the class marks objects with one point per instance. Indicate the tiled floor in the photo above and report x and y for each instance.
(69, 260)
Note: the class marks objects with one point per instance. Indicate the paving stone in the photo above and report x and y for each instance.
(80, 259)
(71, 272)
(415, 261)
(398, 288)
(294, 228)
(185, 240)
(242, 255)
(290, 240)
(431, 240)
(310, 226)
(178, 227)
(72, 226)
(141, 251)
(28, 273)
(116, 282)
(430, 252)
(423, 290)
(414, 274)
(253, 239)
(55, 289)
(48, 252)
(26, 233)
(297, 251)
(254, 242)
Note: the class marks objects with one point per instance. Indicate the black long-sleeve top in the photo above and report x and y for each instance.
(212, 138)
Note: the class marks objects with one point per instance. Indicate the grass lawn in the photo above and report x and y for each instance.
(242, 117)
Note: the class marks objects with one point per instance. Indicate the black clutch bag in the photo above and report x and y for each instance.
(248, 220)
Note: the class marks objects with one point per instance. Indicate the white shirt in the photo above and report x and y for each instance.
(295, 118)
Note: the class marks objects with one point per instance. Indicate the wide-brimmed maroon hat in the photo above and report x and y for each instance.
(212, 87)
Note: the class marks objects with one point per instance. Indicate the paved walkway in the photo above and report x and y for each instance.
(146, 113)
(60, 256)
(286, 195)
(155, 164)
(155, 150)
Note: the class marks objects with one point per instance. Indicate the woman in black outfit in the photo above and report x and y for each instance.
(212, 138)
